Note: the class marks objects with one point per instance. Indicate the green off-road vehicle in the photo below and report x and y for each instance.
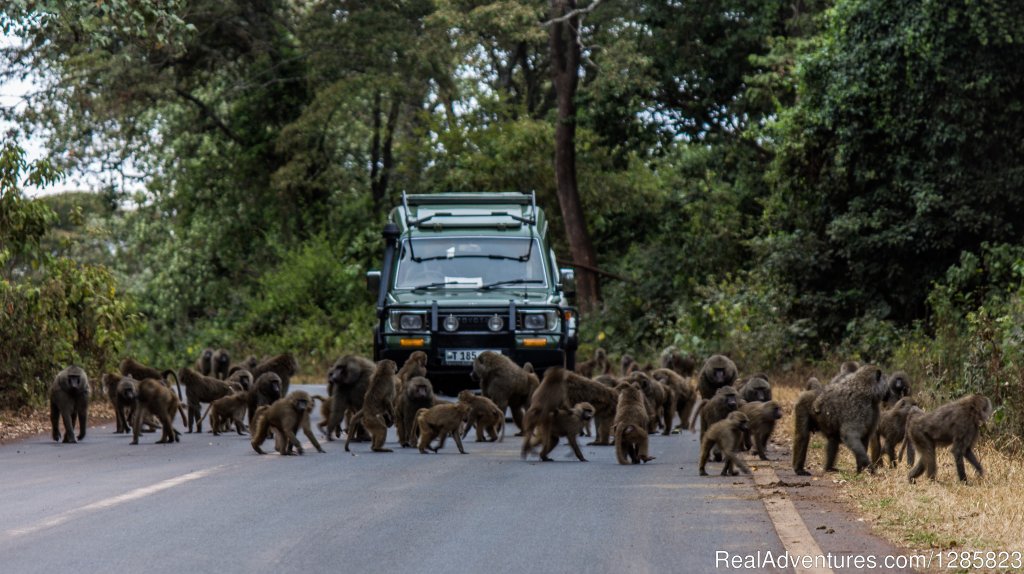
(465, 273)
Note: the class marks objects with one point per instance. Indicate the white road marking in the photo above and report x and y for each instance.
(111, 502)
(792, 531)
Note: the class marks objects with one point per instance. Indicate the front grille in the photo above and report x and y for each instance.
(472, 323)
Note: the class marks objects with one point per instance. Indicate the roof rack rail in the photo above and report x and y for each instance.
(454, 199)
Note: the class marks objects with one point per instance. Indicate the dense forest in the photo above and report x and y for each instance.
(784, 181)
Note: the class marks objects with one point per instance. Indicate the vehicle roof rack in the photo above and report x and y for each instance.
(526, 216)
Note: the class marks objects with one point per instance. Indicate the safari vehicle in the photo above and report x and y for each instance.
(465, 273)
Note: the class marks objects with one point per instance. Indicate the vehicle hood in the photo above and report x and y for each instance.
(471, 297)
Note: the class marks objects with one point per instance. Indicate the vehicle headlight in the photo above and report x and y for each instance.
(407, 321)
(535, 321)
(495, 323)
(451, 323)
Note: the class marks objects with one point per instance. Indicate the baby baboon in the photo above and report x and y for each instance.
(756, 389)
(761, 419)
(155, 398)
(439, 421)
(284, 365)
(415, 366)
(567, 423)
(725, 435)
(684, 392)
(227, 410)
(69, 400)
(844, 411)
(550, 396)
(631, 427)
(599, 365)
(204, 364)
(418, 394)
(674, 360)
(220, 364)
(265, 391)
(604, 399)
(485, 416)
(285, 416)
(504, 382)
(200, 389)
(347, 382)
(892, 427)
(957, 424)
(718, 371)
(378, 412)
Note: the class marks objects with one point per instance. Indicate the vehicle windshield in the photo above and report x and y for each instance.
(470, 263)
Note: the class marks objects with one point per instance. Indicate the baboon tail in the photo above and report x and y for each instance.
(203, 418)
(696, 413)
(176, 382)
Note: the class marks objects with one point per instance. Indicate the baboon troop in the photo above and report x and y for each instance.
(954, 424)
(285, 417)
(69, 402)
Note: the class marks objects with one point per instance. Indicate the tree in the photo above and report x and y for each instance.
(565, 61)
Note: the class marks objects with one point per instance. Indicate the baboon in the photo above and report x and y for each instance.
(505, 383)
(347, 382)
(630, 427)
(378, 412)
(599, 365)
(725, 436)
(155, 398)
(567, 423)
(227, 410)
(813, 384)
(674, 360)
(285, 416)
(604, 399)
(241, 376)
(284, 365)
(898, 387)
(712, 410)
(892, 427)
(415, 366)
(439, 421)
(844, 411)
(955, 424)
(484, 416)
(126, 395)
(684, 392)
(204, 364)
(266, 390)
(136, 370)
(69, 400)
(609, 381)
(248, 364)
(110, 383)
(660, 397)
(718, 371)
(628, 364)
(756, 389)
(846, 369)
(200, 389)
(417, 394)
(761, 419)
(220, 363)
(550, 396)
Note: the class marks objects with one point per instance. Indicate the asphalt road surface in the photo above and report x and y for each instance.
(212, 504)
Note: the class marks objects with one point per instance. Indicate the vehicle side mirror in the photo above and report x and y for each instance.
(373, 281)
(567, 277)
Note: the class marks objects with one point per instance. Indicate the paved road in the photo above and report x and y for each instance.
(211, 503)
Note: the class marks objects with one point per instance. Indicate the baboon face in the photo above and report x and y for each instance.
(346, 371)
(74, 381)
(420, 389)
(207, 354)
(741, 420)
(301, 405)
(729, 396)
(899, 385)
(245, 381)
(719, 375)
(585, 411)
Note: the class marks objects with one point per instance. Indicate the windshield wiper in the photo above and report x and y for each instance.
(509, 282)
(470, 255)
(441, 284)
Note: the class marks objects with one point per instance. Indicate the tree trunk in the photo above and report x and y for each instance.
(565, 57)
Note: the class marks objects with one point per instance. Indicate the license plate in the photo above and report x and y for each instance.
(461, 356)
